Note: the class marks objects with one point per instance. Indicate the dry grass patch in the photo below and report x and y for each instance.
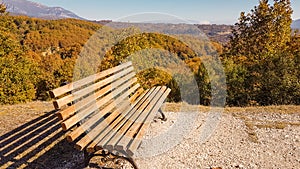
(281, 109)
(185, 107)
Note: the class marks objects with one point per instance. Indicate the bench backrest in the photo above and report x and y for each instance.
(78, 100)
(108, 110)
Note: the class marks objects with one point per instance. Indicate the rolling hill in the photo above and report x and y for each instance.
(296, 24)
(32, 9)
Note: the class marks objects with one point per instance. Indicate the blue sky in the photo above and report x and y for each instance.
(202, 11)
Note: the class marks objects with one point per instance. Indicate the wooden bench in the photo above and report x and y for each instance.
(108, 111)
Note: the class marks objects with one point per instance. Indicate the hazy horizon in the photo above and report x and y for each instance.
(193, 11)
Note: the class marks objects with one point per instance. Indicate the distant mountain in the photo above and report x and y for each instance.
(32, 9)
(296, 24)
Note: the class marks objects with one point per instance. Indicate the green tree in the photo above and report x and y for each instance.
(266, 30)
(258, 56)
(17, 72)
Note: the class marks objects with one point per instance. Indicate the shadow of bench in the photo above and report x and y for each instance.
(38, 143)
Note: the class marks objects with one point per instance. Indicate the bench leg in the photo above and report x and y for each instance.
(163, 116)
(87, 158)
(107, 157)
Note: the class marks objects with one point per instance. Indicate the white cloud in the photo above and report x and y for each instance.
(204, 22)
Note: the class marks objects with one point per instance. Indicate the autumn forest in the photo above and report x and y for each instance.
(261, 58)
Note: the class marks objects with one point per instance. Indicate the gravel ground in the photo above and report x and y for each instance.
(240, 140)
(231, 144)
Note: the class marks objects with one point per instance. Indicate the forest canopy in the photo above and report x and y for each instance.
(261, 59)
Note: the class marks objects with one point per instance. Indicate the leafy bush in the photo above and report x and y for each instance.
(17, 73)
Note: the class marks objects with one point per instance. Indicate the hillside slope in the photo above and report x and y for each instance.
(28, 8)
(296, 24)
(48, 49)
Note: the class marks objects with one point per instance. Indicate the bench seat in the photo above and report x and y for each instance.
(108, 110)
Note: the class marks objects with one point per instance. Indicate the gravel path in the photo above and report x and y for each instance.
(232, 145)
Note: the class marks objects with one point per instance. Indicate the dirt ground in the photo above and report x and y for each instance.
(254, 137)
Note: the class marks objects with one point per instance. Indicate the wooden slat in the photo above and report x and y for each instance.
(114, 121)
(69, 111)
(87, 124)
(136, 95)
(124, 125)
(124, 104)
(122, 144)
(136, 142)
(145, 113)
(86, 112)
(90, 89)
(104, 137)
(78, 84)
(83, 142)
